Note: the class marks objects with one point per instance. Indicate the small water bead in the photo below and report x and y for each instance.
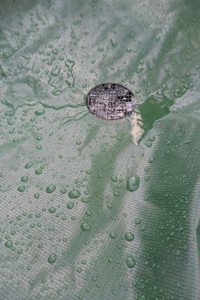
(84, 200)
(78, 184)
(52, 258)
(129, 236)
(39, 112)
(112, 235)
(148, 144)
(150, 160)
(51, 188)
(114, 178)
(133, 183)
(114, 292)
(79, 269)
(36, 195)
(83, 261)
(55, 72)
(74, 194)
(24, 178)
(9, 244)
(85, 226)
(38, 171)
(88, 213)
(138, 221)
(52, 209)
(70, 205)
(78, 142)
(116, 193)
(151, 138)
(63, 190)
(21, 188)
(113, 43)
(87, 192)
(109, 205)
(130, 261)
(28, 165)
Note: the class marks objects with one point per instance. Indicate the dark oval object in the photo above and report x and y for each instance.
(110, 101)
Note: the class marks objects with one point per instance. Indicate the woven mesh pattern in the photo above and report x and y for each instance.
(110, 101)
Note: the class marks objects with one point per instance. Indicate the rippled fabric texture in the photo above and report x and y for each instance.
(95, 209)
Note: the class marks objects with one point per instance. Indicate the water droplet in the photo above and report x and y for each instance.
(38, 171)
(112, 235)
(9, 244)
(52, 258)
(84, 200)
(28, 165)
(84, 261)
(148, 144)
(114, 178)
(74, 194)
(133, 183)
(52, 209)
(138, 221)
(39, 112)
(129, 236)
(85, 226)
(70, 205)
(88, 213)
(130, 261)
(36, 195)
(50, 188)
(24, 178)
(63, 190)
(79, 269)
(55, 71)
(21, 188)
(113, 43)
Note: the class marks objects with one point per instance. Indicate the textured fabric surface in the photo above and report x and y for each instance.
(90, 208)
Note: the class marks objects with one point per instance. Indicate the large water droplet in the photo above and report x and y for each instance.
(133, 183)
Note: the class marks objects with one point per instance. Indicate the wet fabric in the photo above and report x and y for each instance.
(91, 208)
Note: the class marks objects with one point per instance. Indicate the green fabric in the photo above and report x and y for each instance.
(95, 209)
